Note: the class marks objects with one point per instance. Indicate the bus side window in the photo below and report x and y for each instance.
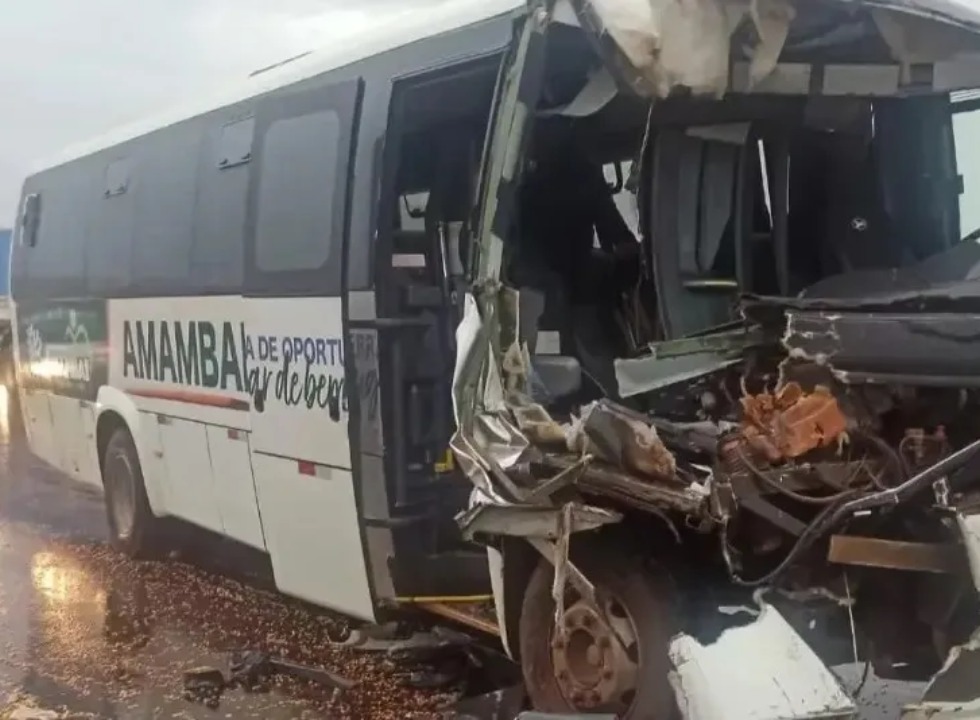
(164, 204)
(218, 251)
(52, 229)
(966, 131)
(109, 237)
(296, 192)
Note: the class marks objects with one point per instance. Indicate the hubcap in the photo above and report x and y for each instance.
(123, 498)
(597, 659)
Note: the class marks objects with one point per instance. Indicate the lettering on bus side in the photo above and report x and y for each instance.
(310, 373)
(294, 371)
(197, 353)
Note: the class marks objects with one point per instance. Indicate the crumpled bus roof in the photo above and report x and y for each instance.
(862, 47)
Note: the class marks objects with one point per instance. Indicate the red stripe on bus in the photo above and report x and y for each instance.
(192, 398)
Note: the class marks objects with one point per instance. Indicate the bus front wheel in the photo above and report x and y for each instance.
(613, 659)
(132, 525)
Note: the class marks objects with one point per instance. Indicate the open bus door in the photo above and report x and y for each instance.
(301, 455)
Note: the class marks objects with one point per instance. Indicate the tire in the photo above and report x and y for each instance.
(133, 529)
(628, 588)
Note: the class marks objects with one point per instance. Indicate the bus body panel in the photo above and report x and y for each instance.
(161, 227)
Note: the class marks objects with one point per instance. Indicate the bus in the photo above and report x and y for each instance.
(324, 314)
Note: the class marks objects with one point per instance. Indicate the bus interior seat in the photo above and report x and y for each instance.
(852, 218)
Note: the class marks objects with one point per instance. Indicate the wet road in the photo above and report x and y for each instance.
(86, 633)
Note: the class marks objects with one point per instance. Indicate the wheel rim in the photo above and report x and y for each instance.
(122, 498)
(597, 656)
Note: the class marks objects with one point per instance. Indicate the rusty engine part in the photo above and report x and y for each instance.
(791, 422)
(767, 454)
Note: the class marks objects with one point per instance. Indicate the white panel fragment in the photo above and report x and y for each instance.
(762, 671)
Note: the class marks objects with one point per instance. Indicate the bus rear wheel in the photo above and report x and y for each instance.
(613, 662)
(133, 528)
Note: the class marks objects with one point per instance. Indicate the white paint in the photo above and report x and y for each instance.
(65, 424)
(762, 671)
(231, 468)
(164, 396)
(155, 479)
(295, 430)
(395, 32)
(87, 451)
(214, 457)
(970, 530)
(312, 533)
(73, 424)
(115, 401)
(190, 484)
(39, 426)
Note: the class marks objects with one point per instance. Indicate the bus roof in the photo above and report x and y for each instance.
(394, 31)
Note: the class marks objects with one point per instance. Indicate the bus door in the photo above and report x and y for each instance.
(294, 351)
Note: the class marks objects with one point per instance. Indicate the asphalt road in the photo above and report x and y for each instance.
(85, 633)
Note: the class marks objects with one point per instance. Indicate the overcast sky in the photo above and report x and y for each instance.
(72, 69)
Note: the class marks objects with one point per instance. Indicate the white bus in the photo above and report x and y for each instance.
(222, 319)
(272, 314)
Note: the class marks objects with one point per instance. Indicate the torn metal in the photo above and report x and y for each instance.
(814, 430)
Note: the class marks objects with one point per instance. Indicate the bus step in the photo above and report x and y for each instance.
(478, 616)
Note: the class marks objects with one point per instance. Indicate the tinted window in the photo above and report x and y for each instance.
(55, 263)
(165, 211)
(109, 243)
(295, 202)
(217, 258)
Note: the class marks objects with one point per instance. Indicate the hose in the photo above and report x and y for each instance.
(832, 515)
(786, 492)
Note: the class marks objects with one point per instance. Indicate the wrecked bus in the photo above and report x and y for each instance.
(749, 452)
(734, 448)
